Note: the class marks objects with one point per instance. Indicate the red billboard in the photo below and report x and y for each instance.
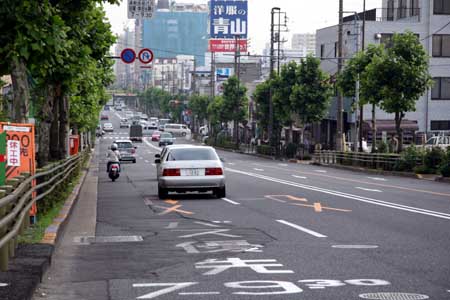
(227, 45)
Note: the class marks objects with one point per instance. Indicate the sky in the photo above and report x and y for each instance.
(304, 16)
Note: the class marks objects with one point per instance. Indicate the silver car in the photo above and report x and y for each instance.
(187, 168)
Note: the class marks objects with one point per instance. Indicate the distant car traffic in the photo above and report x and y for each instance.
(127, 150)
(104, 117)
(147, 130)
(166, 139)
(177, 129)
(124, 123)
(156, 136)
(186, 168)
(108, 127)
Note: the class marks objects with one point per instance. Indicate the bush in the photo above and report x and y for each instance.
(424, 170)
(444, 168)
(265, 150)
(434, 158)
(383, 147)
(291, 150)
(409, 159)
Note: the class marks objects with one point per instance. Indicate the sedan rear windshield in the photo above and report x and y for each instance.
(191, 154)
(124, 145)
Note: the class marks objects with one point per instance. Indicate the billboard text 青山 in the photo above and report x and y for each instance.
(228, 19)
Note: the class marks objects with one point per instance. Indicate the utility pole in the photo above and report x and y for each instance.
(212, 76)
(340, 98)
(272, 62)
(237, 58)
(361, 108)
(194, 87)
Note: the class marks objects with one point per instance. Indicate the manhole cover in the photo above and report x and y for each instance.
(393, 296)
(355, 246)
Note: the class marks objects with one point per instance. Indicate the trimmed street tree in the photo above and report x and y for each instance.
(401, 74)
(199, 106)
(235, 103)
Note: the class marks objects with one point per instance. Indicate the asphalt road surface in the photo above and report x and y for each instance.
(285, 231)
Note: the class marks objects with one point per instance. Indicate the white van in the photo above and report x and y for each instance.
(177, 129)
(148, 129)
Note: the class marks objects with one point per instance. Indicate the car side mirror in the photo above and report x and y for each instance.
(135, 147)
(157, 161)
(157, 155)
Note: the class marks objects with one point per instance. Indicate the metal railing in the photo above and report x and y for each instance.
(357, 159)
(15, 207)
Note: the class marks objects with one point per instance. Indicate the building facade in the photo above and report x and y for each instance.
(429, 20)
(305, 43)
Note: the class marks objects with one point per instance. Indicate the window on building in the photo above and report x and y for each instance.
(322, 51)
(386, 39)
(415, 10)
(390, 10)
(440, 125)
(336, 49)
(441, 45)
(441, 7)
(402, 9)
(441, 88)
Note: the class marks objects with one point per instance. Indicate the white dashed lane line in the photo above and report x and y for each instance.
(320, 171)
(299, 177)
(306, 230)
(231, 201)
(259, 170)
(377, 178)
(368, 190)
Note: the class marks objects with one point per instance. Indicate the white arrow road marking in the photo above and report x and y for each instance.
(306, 230)
(213, 232)
(299, 177)
(207, 224)
(367, 190)
(231, 201)
(172, 225)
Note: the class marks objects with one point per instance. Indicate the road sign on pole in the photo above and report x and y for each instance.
(128, 55)
(146, 56)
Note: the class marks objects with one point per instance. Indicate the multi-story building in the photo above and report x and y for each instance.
(429, 20)
(305, 43)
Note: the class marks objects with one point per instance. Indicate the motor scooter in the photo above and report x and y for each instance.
(114, 171)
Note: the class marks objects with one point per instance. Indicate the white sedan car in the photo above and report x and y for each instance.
(187, 168)
(108, 127)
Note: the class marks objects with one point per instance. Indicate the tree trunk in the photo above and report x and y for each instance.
(374, 129)
(44, 126)
(398, 128)
(21, 91)
(54, 129)
(63, 126)
(236, 131)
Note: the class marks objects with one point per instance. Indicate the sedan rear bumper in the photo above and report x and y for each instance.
(191, 183)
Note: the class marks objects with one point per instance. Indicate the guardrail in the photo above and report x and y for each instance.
(360, 159)
(15, 207)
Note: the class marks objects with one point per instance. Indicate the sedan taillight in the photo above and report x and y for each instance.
(133, 151)
(171, 172)
(213, 171)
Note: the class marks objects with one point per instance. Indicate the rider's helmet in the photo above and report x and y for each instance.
(114, 147)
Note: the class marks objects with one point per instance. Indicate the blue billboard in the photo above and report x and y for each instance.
(228, 19)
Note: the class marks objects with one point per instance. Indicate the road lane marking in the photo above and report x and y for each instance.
(407, 189)
(296, 198)
(348, 196)
(173, 202)
(173, 209)
(299, 177)
(259, 170)
(199, 293)
(273, 197)
(153, 164)
(219, 232)
(377, 178)
(151, 146)
(207, 224)
(231, 201)
(320, 171)
(367, 190)
(146, 161)
(283, 165)
(172, 225)
(317, 207)
(231, 164)
(354, 246)
(306, 230)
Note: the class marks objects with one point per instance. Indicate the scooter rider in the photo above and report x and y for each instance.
(113, 156)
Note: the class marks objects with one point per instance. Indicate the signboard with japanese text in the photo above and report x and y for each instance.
(140, 9)
(228, 19)
(227, 45)
(13, 153)
(223, 73)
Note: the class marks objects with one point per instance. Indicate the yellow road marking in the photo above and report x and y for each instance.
(365, 182)
(273, 197)
(174, 209)
(322, 207)
(296, 198)
(317, 207)
(173, 202)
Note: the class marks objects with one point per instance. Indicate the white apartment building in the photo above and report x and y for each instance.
(305, 43)
(430, 20)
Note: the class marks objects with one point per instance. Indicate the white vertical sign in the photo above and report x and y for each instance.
(13, 153)
(140, 9)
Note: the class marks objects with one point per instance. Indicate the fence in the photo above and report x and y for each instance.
(360, 159)
(15, 206)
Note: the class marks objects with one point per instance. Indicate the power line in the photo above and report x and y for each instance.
(437, 31)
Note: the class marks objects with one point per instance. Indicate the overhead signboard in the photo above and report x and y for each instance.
(140, 9)
(228, 19)
(227, 45)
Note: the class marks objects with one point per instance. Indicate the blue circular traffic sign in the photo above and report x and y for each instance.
(128, 55)
(145, 56)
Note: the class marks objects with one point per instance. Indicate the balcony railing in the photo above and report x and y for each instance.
(389, 15)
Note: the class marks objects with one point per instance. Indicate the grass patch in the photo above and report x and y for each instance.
(35, 232)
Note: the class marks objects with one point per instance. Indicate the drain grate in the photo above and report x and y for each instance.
(393, 296)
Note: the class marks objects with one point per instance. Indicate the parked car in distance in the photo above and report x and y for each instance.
(104, 117)
(156, 136)
(440, 141)
(127, 150)
(162, 122)
(124, 123)
(108, 127)
(186, 168)
(166, 139)
(177, 129)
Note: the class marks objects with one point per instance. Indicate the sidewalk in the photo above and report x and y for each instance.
(29, 267)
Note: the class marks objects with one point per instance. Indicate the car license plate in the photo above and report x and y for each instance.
(192, 172)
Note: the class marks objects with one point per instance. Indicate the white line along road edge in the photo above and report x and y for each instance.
(230, 201)
(348, 196)
(308, 231)
(368, 190)
(150, 145)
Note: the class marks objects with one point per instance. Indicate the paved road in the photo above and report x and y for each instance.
(285, 231)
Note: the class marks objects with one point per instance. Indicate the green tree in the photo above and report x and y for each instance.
(234, 103)
(401, 74)
(262, 96)
(199, 106)
(311, 93)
